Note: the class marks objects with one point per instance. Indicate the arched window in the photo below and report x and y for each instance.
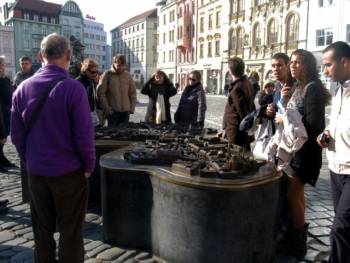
(292, 30)
(233, 42)
(240, 40)
(272, 29)
(256, 35)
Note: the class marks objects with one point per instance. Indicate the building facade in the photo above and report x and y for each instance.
(259, 29)
(7, 49)
(31, 21)
(95, 41)
(167, 32)
(72, 21)
(137, 40)
(186, 45)
(209, 44)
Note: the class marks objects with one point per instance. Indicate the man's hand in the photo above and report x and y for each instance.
(87, 175)
(323, 139)
(270, 111)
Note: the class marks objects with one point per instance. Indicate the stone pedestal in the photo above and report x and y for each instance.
(190, 219)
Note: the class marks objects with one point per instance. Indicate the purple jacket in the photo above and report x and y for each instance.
(61, 140)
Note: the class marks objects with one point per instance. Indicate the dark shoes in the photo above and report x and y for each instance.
(3, 208)
(5, 163)
(295, 243)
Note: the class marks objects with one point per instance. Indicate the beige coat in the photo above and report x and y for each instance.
(120, 95)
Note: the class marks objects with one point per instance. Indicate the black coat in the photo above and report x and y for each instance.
(192, 106)
(90, 88)
(152, 90)
(308, 160)
(5, 106)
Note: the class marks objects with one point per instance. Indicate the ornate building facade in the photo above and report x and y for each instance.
(258, 29)
(72, 21)
(7, 49)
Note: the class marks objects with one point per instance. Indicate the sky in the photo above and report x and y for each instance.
(112, 12)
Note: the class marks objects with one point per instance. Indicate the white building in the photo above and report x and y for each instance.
(71, 20)
(209, 43)
(136, 38)
(7, 49)
(95, 41)
(167, 27)
(109, 55)
(328, 22)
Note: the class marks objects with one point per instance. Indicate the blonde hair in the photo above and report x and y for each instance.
(88, 63)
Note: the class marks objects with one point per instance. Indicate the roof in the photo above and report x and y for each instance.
(148, 14)
(38, 6)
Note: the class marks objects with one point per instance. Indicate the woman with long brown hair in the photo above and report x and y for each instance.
(310, 98)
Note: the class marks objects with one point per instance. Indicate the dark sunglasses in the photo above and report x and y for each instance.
(192, 79)
(93, 72)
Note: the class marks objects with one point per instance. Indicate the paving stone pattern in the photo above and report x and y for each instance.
(16, 236)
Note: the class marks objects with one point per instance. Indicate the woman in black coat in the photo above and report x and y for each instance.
(192, 106)
(159, 89)
(310, 98)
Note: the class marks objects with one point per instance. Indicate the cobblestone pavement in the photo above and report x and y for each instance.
(16, 236)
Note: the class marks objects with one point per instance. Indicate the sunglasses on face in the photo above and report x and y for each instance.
(93, 71)
(192, 79)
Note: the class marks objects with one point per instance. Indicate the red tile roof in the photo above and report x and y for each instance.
(38, 6)
(151, 13)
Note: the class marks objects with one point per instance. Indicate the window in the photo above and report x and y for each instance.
(201, 25)
(164, 38)
(210, 49)
(53, 20)
(172, 16)
(256, 35)
(44, 19)
(218, 19)
(164, 19)
(217, 47)
(210, 21)
(324, 37)
(26, 44)
(240, 40)
(348, 33)
(320, 3)
(26, 16)
(272, 31)
(164, 57)
(232, 42)
(201, 49)
(292, 30)
(36, 18)
(237, 6)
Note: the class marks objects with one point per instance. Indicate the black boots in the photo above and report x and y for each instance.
(295, 243)
(3, 207)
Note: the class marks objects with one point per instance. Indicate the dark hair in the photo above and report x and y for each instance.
(236, 66)
(161, 72)
(310, 72)
(120, 59)
(54, 46)
(340, 50)
(282, 56)
(24, 58)
(197, 74)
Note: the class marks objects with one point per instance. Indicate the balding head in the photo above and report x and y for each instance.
(55, 48)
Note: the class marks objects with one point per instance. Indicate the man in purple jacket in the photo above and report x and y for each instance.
(58, 151)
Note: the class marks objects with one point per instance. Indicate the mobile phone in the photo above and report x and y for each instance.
(324, 138)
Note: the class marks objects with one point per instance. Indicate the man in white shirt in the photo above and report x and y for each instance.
(336, 138)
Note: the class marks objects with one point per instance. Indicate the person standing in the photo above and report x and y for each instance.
(192, 106)
(5, 107)
(159, 89)
(87, 77)
(52, 130)
(240, 102)
(336, 63)
(116, 92)
(309, 97)
(26, 71)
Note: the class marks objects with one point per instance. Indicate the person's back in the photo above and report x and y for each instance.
(52, 130)
(53, 137)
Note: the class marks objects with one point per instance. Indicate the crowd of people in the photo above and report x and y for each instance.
(53, 118)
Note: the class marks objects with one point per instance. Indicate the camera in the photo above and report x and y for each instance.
(324, 138)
